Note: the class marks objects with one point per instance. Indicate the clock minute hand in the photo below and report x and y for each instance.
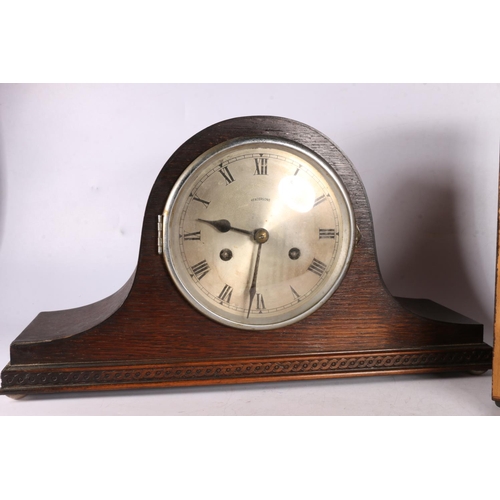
(253, 287)
(224, 226)
(260, 236)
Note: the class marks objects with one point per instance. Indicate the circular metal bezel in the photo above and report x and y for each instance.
(207, 158)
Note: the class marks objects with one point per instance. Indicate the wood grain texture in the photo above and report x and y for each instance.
(85, 377)
(496, 325)
(149, 323)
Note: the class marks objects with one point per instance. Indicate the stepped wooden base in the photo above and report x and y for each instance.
(51, 378)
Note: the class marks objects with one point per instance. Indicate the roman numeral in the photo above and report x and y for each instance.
(260, 166)
(224, 171)
(319, 200)
(206, 203)
(327, 233)
(294, 293)
(192, 236)
(201, 269)
(317, 267)
(260, 302)
(226, 293)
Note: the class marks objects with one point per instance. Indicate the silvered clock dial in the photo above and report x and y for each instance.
(258, 233)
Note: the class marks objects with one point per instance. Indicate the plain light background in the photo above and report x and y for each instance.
(77, 163)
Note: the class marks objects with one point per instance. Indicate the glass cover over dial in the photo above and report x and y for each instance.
(258, 233)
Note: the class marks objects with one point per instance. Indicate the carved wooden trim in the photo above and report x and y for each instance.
(85, 377)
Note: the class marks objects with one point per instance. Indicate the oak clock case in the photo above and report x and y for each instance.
(257, 263)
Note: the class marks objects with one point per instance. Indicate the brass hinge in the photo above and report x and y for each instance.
(160, 234)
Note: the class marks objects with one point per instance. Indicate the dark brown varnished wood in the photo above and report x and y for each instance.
(496, 326)
(147, 334)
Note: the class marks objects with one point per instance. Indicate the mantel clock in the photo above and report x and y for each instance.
(257, 263)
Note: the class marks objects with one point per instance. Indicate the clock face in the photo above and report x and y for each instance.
(258, 233)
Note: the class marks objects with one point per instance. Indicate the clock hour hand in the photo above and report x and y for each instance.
(224, 226)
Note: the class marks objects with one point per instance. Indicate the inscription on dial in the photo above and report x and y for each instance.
(327, 233)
